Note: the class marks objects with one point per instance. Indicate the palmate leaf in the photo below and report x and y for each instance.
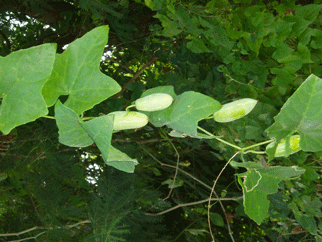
(258, 182)
(185, 112)
(76, 73)
(22, 76)
(301, 113)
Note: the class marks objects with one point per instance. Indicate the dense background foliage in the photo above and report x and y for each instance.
(224, 49)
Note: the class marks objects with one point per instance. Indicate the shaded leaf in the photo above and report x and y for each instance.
(120, 160)
(258, 182)
(100, 129)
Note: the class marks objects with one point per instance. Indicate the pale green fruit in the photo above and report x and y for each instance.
(154, 102)
(281, 147)
(128, 120)
(235, 110)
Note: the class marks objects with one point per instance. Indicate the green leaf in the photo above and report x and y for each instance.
(76, 73)
(100, 129)
(308, 12)
(283, 76)
(185, 112)
(120, 161)
(216, 219)
(22, 76)
(258, 182)
(197, 45)
(305, 220)
(71, 132)
(301, 113)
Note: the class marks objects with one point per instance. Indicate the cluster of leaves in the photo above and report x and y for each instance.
(225, 50)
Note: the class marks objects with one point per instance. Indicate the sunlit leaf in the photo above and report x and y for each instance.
(22, 76)
(301, 113)
(76, 73)
(70, 131)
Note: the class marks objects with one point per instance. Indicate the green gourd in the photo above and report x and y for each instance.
(234, 110)
(154, 102)
(128, 120)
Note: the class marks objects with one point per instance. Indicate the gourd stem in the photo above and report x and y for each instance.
(50, 117)
(131, 106)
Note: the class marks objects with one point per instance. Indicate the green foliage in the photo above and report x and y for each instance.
(202, 53)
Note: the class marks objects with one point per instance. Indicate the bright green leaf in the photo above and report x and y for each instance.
(185, 112)
(301, 113)
(22, 76)
(70, 131)
(76, 73)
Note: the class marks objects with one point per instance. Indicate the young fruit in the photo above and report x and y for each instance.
(129, 120)
(281, 147)
(235, 110)
(154, 102)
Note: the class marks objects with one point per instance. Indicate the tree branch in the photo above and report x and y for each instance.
(37, 227)
(194, 203)
(136, 75)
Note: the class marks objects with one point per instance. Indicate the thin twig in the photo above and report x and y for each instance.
(49, 228)
(136, 76)
(139, 141)
(177, 168)
(209, 200)
(34, 237)
(194, 203)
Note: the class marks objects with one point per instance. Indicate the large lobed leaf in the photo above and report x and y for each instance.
(22, 77)
(301, 113)
(258, 182)
(76, 73)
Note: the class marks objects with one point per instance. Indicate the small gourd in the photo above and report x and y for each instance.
(234, 110)
(154, 102)
(128, 120)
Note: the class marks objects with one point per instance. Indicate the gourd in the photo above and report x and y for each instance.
(281, 147)
(154, 102)
(234, 110)
(128, 120)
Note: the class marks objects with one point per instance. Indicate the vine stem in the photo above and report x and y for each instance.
(50, 117)
(259, 144)
(219, 139)
(209, 200)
